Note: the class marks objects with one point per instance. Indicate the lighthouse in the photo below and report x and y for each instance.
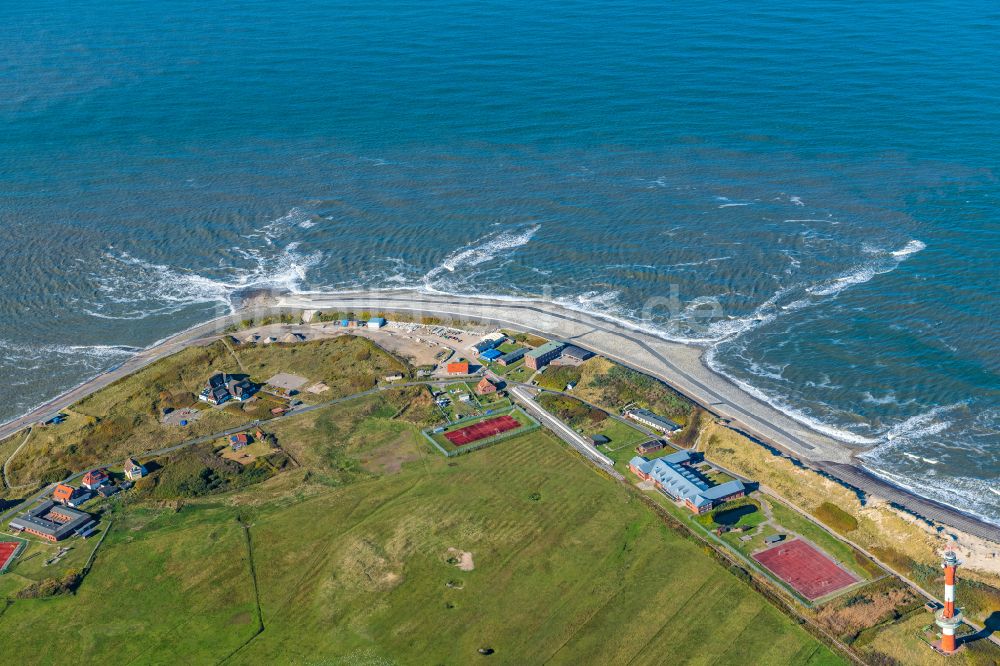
(948, 618)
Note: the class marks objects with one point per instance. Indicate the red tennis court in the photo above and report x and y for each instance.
(7, 550)
(809, 571)
(482, 430)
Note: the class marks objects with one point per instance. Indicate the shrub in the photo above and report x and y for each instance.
(689, 435)
(571, 410)
(557, 378)
(51, 587)
(835, 518)
(621, 385)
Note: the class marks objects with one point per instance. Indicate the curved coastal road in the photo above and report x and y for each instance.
(678, 365)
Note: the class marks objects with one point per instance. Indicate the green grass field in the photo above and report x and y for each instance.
(568, 568)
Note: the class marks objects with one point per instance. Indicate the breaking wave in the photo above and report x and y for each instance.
(482, 250)
(133, 288)
(867, 270)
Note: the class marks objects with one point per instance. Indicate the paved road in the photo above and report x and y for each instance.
(678, 365)
(567, 434)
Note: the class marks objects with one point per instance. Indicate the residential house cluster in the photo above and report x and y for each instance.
(222, 388)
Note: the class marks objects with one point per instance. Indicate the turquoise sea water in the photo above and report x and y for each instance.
(825, 173)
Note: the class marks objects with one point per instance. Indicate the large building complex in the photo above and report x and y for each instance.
(673, 475)
(53, 522)
(541, 356)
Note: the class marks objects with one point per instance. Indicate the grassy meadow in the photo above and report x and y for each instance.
(354, 554)
(124, 418)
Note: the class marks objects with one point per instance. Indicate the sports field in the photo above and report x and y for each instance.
(810, 572)
(482, 430)
(7, 550)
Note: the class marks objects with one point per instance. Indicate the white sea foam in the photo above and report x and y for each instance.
(782, 404)
(133, 288)
(699, 263)
(912, 247)
(280, 226)
(796, 200)
(591, 300)
(481, 250)
(962, 493)
(732, 204)
(888, 399)
(866, 271)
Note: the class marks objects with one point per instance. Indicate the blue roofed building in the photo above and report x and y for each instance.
(673, 475)
(491, 354)
(376, 322)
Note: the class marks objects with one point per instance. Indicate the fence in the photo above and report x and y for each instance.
(489, 441)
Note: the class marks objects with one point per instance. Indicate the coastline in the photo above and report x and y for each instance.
(681, 366)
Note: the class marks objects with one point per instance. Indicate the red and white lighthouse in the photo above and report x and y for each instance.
(948, 619)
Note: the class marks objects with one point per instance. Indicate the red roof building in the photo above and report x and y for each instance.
(63, 493)
(485, 386)
(458, 368)
(94, 480)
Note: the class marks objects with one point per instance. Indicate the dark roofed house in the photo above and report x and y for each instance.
(574, 353)
(648, 418)
(513, 357)
(108, 490)
(222, 387)
(241, 389)
(649, 447)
